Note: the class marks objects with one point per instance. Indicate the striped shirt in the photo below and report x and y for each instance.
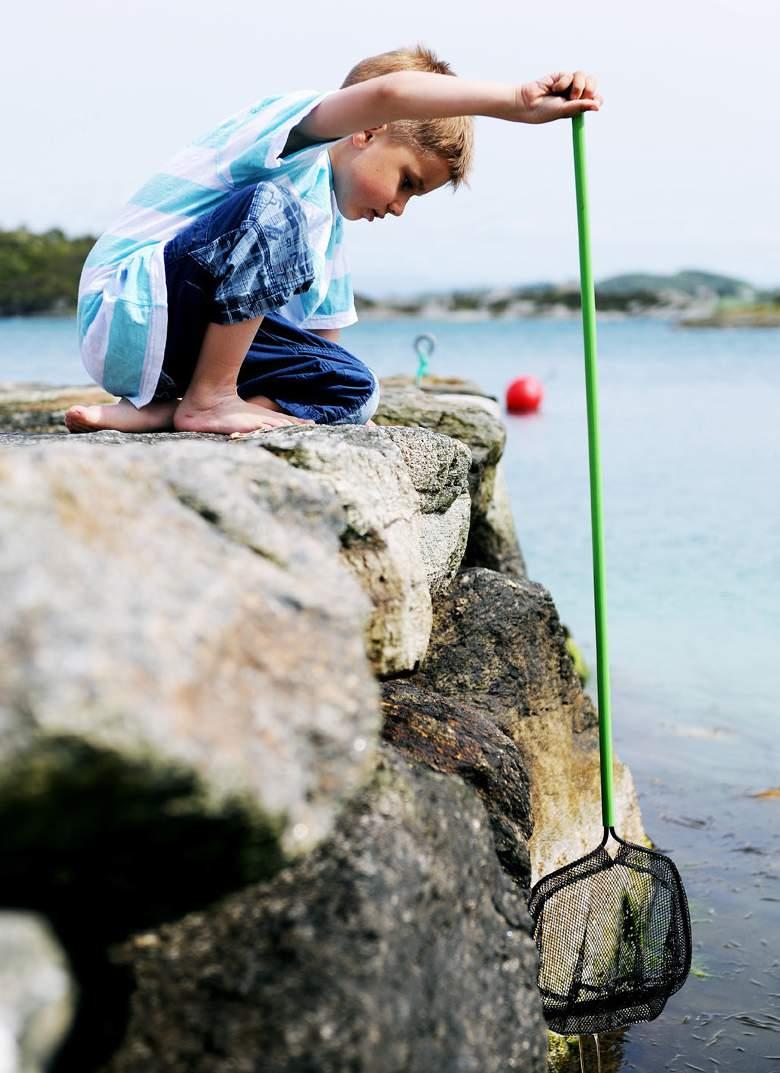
(122, 311)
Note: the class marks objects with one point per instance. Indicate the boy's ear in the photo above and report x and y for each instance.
(363, 137)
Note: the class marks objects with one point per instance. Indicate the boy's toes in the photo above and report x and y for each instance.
(77, 419)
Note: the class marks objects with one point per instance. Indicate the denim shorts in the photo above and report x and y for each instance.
(243, 260)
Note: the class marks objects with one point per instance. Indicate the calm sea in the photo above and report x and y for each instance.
(691, 457)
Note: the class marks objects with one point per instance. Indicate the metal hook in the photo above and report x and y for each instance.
(422, 358)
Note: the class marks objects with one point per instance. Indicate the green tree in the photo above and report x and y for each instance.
(39, 273)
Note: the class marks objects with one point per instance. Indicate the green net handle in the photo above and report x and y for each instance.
(594, 458)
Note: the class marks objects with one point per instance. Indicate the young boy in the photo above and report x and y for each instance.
(214, 302)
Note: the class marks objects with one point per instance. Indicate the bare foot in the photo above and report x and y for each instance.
(121, 416)
(229, 415)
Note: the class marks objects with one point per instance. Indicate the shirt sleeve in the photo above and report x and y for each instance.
(250, 144)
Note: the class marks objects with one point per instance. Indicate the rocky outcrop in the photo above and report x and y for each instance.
(283, 744)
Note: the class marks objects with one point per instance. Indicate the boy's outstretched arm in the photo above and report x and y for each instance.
(422, 95)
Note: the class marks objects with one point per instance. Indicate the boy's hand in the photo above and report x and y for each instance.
(556, 96)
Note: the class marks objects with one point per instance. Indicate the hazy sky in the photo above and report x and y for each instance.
(684, 158)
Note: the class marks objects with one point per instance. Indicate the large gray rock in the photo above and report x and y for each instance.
(476, 420)
(181, 621)
(187, 708)
(406, 503)
(497, 644)
(397, 947)
(403, 508)
(185, 698)
(196, 650)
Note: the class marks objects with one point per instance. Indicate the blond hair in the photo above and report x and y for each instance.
(449, 138)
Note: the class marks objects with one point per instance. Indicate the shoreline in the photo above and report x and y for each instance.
(554, 314)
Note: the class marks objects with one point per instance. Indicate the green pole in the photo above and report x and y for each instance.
(594, 457)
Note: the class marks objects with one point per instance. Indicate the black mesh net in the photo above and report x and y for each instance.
(614, 939)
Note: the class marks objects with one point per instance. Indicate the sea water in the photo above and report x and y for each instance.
(690, 440)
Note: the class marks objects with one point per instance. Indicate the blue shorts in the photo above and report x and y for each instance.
(243, 260)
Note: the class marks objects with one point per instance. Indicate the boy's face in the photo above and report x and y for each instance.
(373, 176)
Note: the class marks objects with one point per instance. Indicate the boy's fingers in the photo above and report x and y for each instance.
(577, 85)
(577, 107)
(561, 82)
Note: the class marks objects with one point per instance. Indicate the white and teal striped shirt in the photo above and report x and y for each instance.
(122, 310)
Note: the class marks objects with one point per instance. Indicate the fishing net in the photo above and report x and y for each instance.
(613, 932)
(614, 939)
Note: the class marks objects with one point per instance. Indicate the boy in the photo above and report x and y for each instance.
(214, 302)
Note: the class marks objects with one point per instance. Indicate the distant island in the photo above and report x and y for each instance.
(692, 298)
(39, 275)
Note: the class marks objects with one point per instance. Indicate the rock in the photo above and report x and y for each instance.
(34, 407)
(403, 509)
(185, 699)
(476, 421)
(439, 469)
(196, 649)
(397, 946)
(192, 785)
(179, 622)
(437, 385)
(405, 498)
(451, 736)
(498, 644)
(493, 538)
(36, 994)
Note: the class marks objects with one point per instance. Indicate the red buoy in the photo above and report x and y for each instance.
(524, 395)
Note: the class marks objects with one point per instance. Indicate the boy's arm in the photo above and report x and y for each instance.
(423, 95)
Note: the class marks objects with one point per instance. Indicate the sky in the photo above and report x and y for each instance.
(683, 159)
